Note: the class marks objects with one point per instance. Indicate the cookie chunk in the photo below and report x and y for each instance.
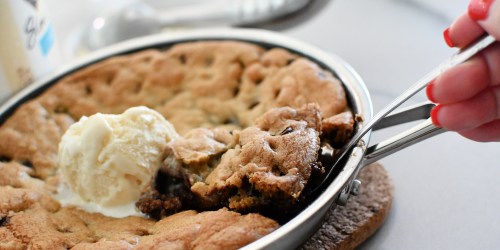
(267, 164)
(338, 129)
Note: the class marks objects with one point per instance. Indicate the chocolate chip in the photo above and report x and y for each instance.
(88, 90)
(182, 59)
(4, 158)
(236, 91)
(4, 221)
(317, 167)
(287, 130)
(109, 79)
(253, 105)
(259, 80)
(277, 93)
(26, 163)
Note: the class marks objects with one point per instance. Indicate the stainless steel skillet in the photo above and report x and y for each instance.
(336, 190)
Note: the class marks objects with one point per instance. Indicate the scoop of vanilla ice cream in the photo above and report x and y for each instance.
(110, 159)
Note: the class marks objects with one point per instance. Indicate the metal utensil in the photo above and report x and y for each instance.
(381, 120)
(139, 18)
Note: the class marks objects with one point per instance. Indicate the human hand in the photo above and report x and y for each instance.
(468, 95)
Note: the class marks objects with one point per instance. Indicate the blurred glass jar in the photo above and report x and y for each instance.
(28, 48)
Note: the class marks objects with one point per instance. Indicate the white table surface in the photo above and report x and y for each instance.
(446, 190)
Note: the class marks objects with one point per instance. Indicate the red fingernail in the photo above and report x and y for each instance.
(447, 39)
(434, 115)
(429, 91)
(478, 9)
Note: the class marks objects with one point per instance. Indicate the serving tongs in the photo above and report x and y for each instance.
(387, 118)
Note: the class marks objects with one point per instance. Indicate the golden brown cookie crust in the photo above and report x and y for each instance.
(211, 84)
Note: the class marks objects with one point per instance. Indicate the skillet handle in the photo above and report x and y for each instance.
(407, 138)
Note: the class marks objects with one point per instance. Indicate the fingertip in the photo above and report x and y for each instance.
(447, 38)
(429, 91)
(478, 9)
(491, 19)
(435, 115)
